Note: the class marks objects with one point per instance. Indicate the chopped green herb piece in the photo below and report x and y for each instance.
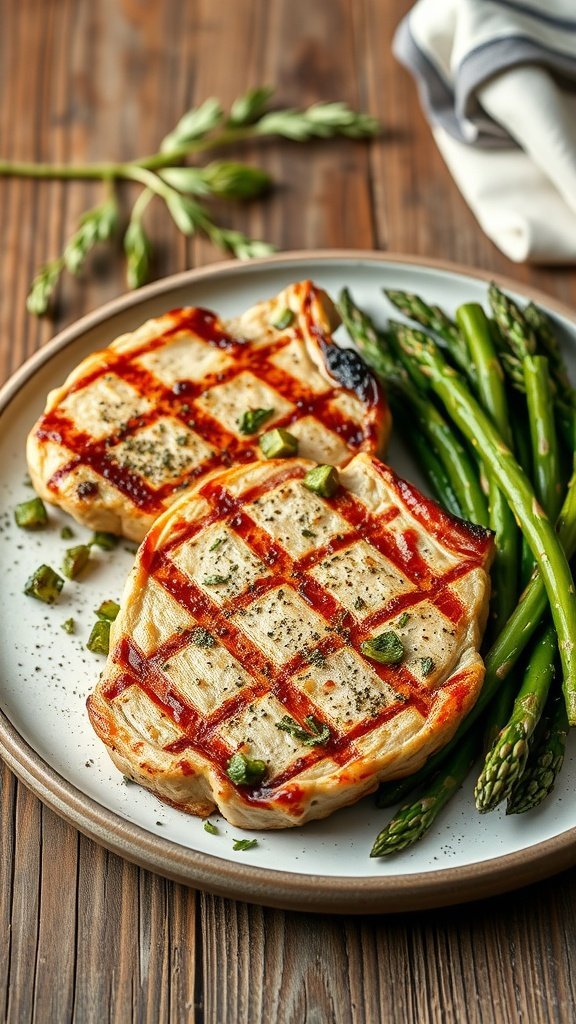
(217, 543)
(31, 515)
(251, 420)
(44, 585)
(69, 626)
(75, 560)
(283, 320)
(108, 611)
(128, 781)
(27, 481)
(359, 604)
(66, 533)
(323, 480)
(99, 639)
(403, 619)
(211, 828)
(428, 666)
(278, 444)
(308, 533)
(244, 844)
(106, 541)
(245, 771)
(202, 638)
(387, 648)
(213, 581)
(316, 734)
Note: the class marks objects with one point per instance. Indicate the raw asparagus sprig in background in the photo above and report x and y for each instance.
(183, 188)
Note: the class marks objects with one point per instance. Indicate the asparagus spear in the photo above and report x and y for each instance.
(545, 760)
(498, 459)
(413, 819)
(475, 328)
(548, 344)
(507, 759)
(428, 463)
(435, 319)
(454, 458)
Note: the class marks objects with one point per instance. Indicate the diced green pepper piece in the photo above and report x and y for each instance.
(31, 515)
(69, 626)
(66, 533)
(99, 639)
(427, 665)
(251, 420)
(106, 541)
(278, 444)
(44, 585)
(284, 319)
(75, 560)
(323, 480)
(245, 771)
(108, 611)
(387, 648)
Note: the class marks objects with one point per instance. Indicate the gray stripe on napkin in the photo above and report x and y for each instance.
(566, 24)
(452, 108)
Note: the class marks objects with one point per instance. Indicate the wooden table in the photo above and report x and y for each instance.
(87, 936)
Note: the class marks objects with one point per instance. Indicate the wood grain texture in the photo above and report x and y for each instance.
(88, 937)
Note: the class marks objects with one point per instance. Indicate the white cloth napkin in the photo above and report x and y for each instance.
(497, 80)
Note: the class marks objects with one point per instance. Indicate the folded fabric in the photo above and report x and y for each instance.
(497, 80)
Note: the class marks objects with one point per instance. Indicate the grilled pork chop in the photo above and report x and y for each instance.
(143, 420)
(247, 667)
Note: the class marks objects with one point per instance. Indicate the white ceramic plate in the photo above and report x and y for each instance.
(46, 674)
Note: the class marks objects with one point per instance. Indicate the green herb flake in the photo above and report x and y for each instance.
(387, 648)
(66, 533)
(315, 657)
(245, 771)
(31, 515)
(108, 611)
(323, 480)
(105, 541)
(251, 420)
(316, 734)
(211, 828)
(99, 639)
(359, 604)
(278, 444)
(214, 581)
(200, 637)
(75, 560)
(427, 666)
(403, 620)
(308, 533)
(284, 320)
(217, 543)
(45, 585)
(128, 781)
(244, 844)
(69, 626)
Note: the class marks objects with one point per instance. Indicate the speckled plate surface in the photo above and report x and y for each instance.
(47, 674)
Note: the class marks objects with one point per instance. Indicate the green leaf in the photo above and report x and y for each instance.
(251, 420)
(387, 648)
(245, 771)
(232, 180)
(195, 124)
(211, 828)
(322, 120)
(187, 215)
(316, 734)
(138, 252)
(187, 179)
(249, 107)
(43, 287)
(239, 244)
(244, 844)
(96, 225)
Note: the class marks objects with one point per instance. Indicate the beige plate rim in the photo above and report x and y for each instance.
(361, 895)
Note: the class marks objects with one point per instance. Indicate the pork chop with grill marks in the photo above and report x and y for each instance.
(241, 674)
(141, 421)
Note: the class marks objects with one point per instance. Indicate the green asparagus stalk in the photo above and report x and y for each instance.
(476, 331)
(435, 319)
(548, 344)
(507, 759)
(414, 818)
(499, 460)
(428, 462)
(545, 453)
(545, 760)
(452, 455)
